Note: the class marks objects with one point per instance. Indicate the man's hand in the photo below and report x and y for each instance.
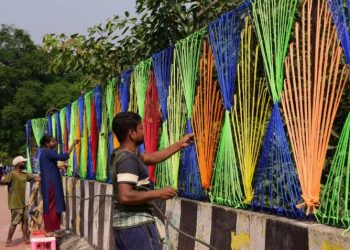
(76, 141)
(37, 178)
(166, 193)
(186, 140)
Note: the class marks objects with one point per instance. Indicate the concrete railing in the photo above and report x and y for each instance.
(222, 227)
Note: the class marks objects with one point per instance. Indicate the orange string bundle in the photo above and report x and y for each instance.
(117, 109)
(313, 88)
(207, 117)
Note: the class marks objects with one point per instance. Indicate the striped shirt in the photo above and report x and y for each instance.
(127, 167)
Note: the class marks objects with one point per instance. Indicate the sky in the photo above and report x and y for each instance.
(40, 17)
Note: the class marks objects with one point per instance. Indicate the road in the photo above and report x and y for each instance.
(5, 219)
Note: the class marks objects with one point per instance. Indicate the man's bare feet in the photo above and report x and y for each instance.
(10, 243)
(26, 241)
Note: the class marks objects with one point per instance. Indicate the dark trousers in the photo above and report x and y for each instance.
(143, 237)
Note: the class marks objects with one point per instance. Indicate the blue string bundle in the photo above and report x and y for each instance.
(90, 171)
(190, 185)
(97, 95)
(276, 186)
(123, 88)
(49, 125)
(162, 62)
(68, 111)
(341, 23)
(225, 39)
(58, 131)
(81, 114)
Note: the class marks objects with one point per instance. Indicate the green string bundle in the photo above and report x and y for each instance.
(102, 153)
(63, 126)
(83, 150)
(141, 75)
(273, 21)
(110, 97)
(39, 128)
(334, 207)
(72, 135)
(53, 121)
(225, 178)
(187, 54)
(167, 171)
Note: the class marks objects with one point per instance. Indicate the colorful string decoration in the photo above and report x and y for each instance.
(162, 62)
(251, 112)
(133, 99)
(151, 121)
(49, 125)
(314, 85)
(276, 187)
(39, 126)
(102, 155)
(58, 132)
(341, 20)
(82, 149)
(168, 171)
(97, 95)
(207, 117)
(63, 128)
(53, 124)
(124, 89)
(117, 109)
(334, 205)
(140, 76)
(88, 112)
(93, 137)
(188, 53)
(72, 168)
(225, 37)
(28, 130)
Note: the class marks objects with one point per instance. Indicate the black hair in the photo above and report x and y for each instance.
(45, 139)
(123, 122)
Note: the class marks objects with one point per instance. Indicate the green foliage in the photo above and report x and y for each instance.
(27, 89)
(121, 42)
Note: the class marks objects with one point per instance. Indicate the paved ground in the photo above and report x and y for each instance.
(5, 222)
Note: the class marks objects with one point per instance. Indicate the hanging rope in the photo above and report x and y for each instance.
(124, 89)
(133, 99)
(140, 76)
(334, 207)
(226, 187)
(63, 128)
(162, 69)
(117, 109)
(97, 95)
(251, 112)
(72, 168)
(224, 36)
(28, 130)
(39, 127)
(167, 172)
(110, 94)
(276, 187)
(93, 139)
(151, 121)
(313, 90)
(102, 155)
(207, 117)
(49, 125)
(58, 132)
(88, 117)
(83, 148)
(273, 20)
(337, 8)
(187, 53)
(53, 124)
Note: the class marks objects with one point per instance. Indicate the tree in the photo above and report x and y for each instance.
(27, 88)
(122, 42)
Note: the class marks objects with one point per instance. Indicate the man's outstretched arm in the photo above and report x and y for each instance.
(162, 155)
